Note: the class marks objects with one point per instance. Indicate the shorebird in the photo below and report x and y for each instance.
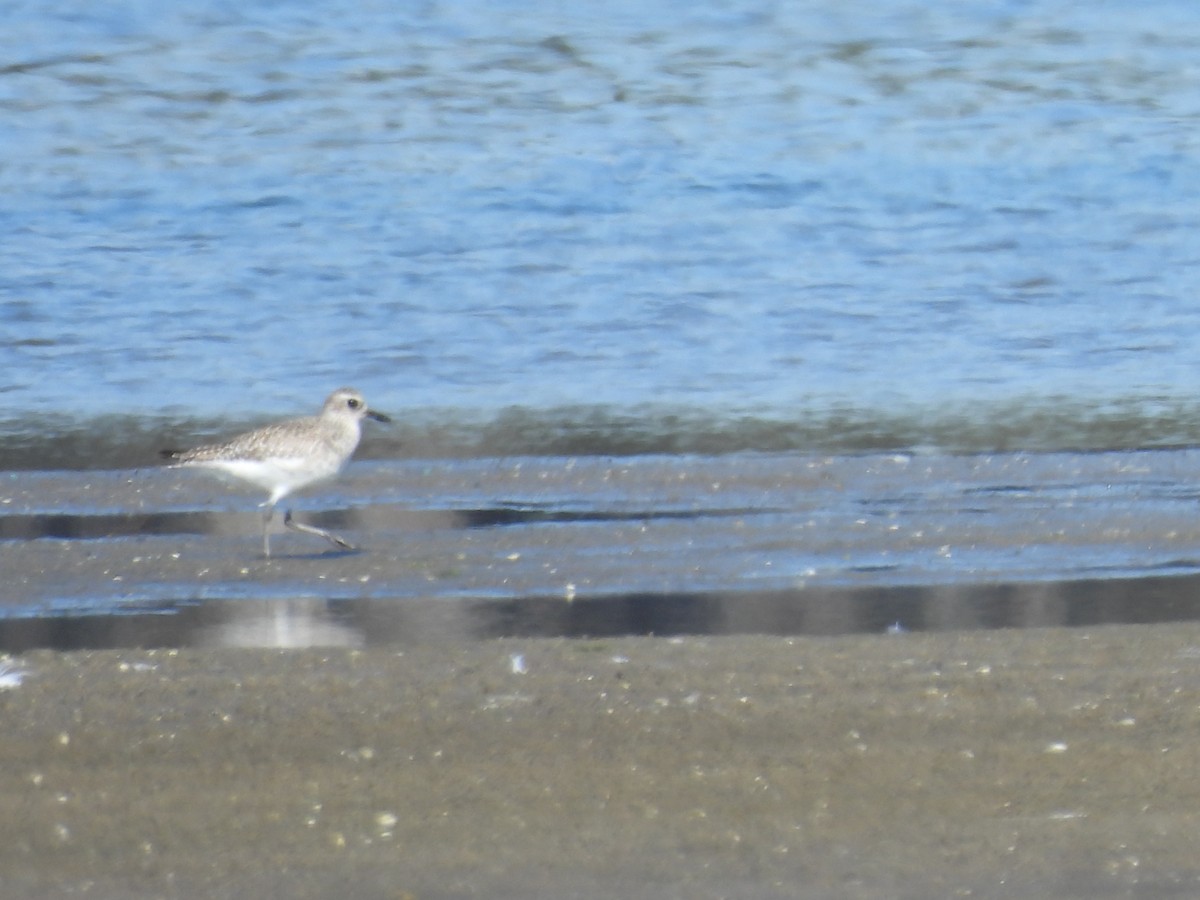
(290, 455)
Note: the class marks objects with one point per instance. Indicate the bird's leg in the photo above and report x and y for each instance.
(319, 532)
(268, 514)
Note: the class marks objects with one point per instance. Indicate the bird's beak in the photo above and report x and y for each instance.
(377, 416)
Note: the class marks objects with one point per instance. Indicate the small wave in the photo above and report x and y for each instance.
(1043, 425)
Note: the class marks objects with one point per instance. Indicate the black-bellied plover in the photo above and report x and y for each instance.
(290, 455)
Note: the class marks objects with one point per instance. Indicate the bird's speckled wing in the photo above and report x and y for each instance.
(295, 437)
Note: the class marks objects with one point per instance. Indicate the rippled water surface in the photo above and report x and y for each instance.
(644, 227)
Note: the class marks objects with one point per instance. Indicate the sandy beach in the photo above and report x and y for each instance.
(487, 702)
(1047, 762)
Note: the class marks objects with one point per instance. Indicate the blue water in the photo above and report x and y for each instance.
(905, 220)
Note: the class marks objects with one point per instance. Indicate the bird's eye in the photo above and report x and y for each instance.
(354, 403)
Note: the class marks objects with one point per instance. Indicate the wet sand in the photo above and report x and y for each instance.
(456, 749)
(1044, 762)
(493, 547)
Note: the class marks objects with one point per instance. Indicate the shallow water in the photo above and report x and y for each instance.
(752, 543)
(655, 228)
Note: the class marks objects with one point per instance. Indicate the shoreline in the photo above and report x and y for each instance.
(1055, 762)
(577, 547)
(391, 623)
